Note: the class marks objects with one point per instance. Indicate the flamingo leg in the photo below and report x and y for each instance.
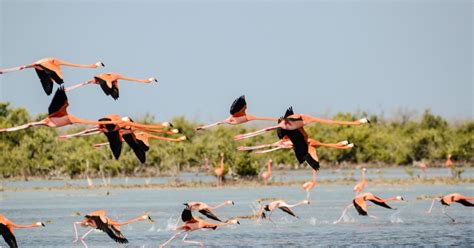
(211, 125)
(270, 216)
(268, 150)
(431, 207)
(24, 126)
(308, 193)
(445, 213)
(192, 242)
(248, 148)
(252, 134)
(18, 68)
(77, 86)
(169, 240)
(343, 213)
(75, 231)
(86, 132)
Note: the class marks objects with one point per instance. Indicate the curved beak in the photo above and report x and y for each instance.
(233, 203)
(238, 222)
(42, 224)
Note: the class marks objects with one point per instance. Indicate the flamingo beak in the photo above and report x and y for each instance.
(238, 222)
(149, 219)
(186, 204)
(232, 202)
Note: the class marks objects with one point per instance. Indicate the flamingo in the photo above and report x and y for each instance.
(7, 227)
(267, 174)
(220, 171)
(192, 224)
(59, 117)
(238, 115)
(285, 143)
(360, 186)
(423, 167)
(99, 220)
(308, 186)
(450, 198)
(282, 205)
(361, 206)
(109, 83)
(449, 164)
(292, 121)
(49, 70)
(207, 210)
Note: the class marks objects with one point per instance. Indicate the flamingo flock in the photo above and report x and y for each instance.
(290, 131)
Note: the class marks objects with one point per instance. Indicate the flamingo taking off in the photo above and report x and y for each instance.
(292, 121)
(448, 199)
(58, 116)
(360, 186)
(238, 115)
(220, 171)
(109, 83)
(308, 186)
(282, 205)
(207, 210)
(98, 220)
(49, 70)
(192, 224)
(7, 227)
(268, 173)
(360, 205)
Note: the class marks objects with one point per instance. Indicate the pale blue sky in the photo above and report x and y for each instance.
(319, 56)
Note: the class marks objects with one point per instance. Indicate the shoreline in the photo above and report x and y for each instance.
(249, 184)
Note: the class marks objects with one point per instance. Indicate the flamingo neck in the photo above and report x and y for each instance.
(222, 163)
(297, 204)
(390, 199)
(24, 226)
(220, 205)
(363, 177)
(269, 167)
(258, 118)
(128, 221)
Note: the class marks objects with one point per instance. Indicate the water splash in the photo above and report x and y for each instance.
(171, 224)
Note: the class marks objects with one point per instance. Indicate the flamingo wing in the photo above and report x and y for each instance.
(466, 203)
(312, 158)
(209, 214)
(46, 81)
(289, 112)
(113, 233)
(238, 107)
(59, 103)
(136, 147)
(186, 215)
(360, 206)
(108, 89)
(300, 146)
(288, 211)
(115, 90)
(115, 143)
(381, 203)
(8, 236)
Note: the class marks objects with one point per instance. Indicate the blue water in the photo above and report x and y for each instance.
(411, 226)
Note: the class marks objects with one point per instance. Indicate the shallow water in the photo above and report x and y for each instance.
(409, 226)
(277, 176)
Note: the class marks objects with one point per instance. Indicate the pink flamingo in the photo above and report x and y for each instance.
(98, 220)
(207, 210)
(7, 227)
(238, 115)
(282, 205)
(293, 121)
(109, 83)
(220, 171)
(447, 200)
(267, 174)
(49, 70)
(360, 186)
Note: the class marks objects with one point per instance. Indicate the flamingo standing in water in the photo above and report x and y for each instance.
(58, 116)
(49, 70)
(308, 186)
(238, 115)
(99, 220)
(192, 224)
(267, 174)
(292, 121)
(207, 210)
(360, 186)
(109, 83)
(7, 227)
(220, 171)
(449, 164)
(361, 206)
(448, 199)
(282, 205)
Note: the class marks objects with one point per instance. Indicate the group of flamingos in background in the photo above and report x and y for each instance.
(289, 129)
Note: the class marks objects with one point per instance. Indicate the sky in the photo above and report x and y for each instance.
(320, 57)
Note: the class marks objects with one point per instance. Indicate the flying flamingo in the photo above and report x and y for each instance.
(360, 186)
(207, 210)
(49, 70)
(99, 220)
(109, 83)
(448, 199)
(308, 186)
(292, 121)
(220, 171)
(361, 206)
(192, 224)
(282, 205)
(267, 174)
(59, 117)
(238, 115)
(6, 230)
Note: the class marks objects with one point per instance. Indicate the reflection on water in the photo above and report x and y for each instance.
(408, 225)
